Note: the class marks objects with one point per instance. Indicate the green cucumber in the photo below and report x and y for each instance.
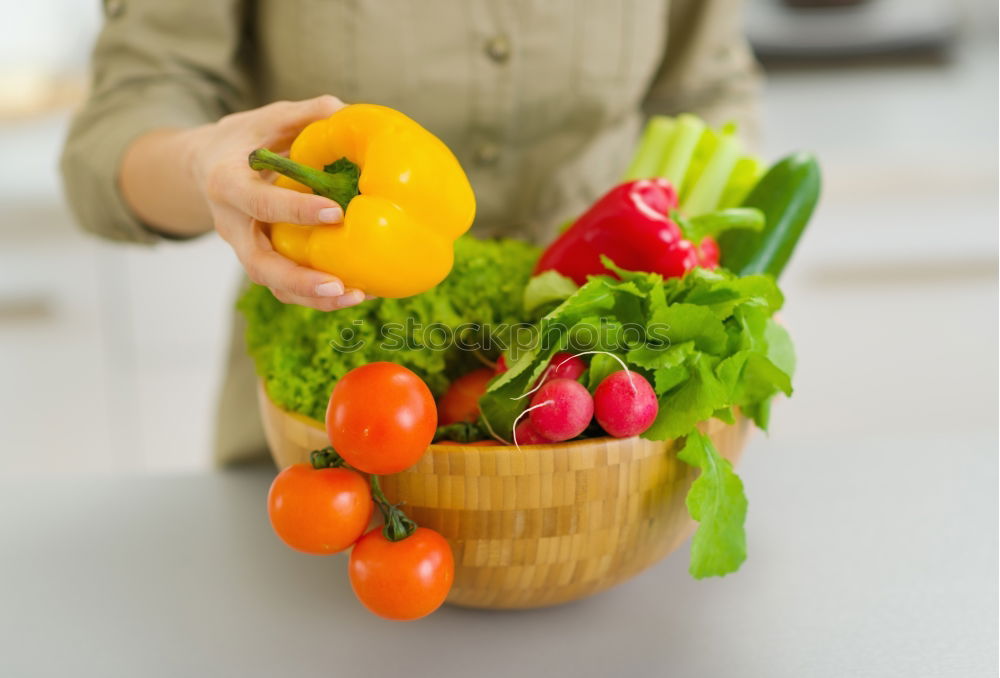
(786, 194)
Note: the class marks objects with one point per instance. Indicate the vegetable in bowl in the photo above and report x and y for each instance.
(699, 340)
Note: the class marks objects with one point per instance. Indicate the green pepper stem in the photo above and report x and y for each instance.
(713, 224)
(338, 181)
(397, 525)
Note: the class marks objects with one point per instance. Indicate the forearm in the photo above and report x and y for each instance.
(157, 181)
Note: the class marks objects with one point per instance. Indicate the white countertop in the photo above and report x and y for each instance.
(868, 557)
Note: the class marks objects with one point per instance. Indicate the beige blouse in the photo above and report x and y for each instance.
(541, 100)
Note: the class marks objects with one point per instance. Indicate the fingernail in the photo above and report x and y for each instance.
(331, 215)
(334, 288)
(352, 297)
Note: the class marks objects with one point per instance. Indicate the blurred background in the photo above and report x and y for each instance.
(111, 355)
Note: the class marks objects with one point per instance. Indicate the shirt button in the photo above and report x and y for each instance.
(498, 48)
(487, 154)
(114, 8)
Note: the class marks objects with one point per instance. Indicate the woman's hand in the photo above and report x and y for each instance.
(240, 199)
(215, 183)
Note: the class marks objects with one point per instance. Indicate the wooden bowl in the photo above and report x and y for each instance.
(542, 525)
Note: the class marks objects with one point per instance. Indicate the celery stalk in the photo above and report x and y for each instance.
(703, 152)
(745, 176)
(687, 131)
(647, 157)
(706, 192)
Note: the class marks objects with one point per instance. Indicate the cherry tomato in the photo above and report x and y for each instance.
(381, 418)
(319, 511)
(402, 580)
(461, 401)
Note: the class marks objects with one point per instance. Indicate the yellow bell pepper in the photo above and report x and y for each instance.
(405, 198)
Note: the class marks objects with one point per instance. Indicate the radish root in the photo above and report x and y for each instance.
(521, 416)
(541, 382)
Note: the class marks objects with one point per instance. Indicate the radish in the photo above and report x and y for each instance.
(501, 365)
(525, 434)
(563, 366)
(625, 404)
(561, 409)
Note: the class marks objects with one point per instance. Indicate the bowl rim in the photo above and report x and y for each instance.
(466, 447)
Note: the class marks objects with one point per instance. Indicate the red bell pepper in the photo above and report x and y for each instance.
(633, 225)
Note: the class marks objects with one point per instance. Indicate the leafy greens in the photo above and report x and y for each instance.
(707, 343)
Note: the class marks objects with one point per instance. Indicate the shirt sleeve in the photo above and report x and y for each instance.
(156, 65)
(708, 68)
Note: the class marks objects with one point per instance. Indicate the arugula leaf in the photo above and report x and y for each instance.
(666, 378)
(780, 350)
(692, 402)
(750, 377)
(679, 323)
(546, 288)
(514, 371)
(594, 298)
(724, 296)
(716, 500)
(498, 408)
(600, 367)
(653, 356)
(643, 280)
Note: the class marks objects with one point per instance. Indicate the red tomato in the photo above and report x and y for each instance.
(381, 418)
(319, 511)
(461, 401)
(402, 580)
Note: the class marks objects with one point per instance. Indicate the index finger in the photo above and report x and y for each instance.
(282, 120)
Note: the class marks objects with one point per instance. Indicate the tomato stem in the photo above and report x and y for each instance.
(397, 525)
(327, 458)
